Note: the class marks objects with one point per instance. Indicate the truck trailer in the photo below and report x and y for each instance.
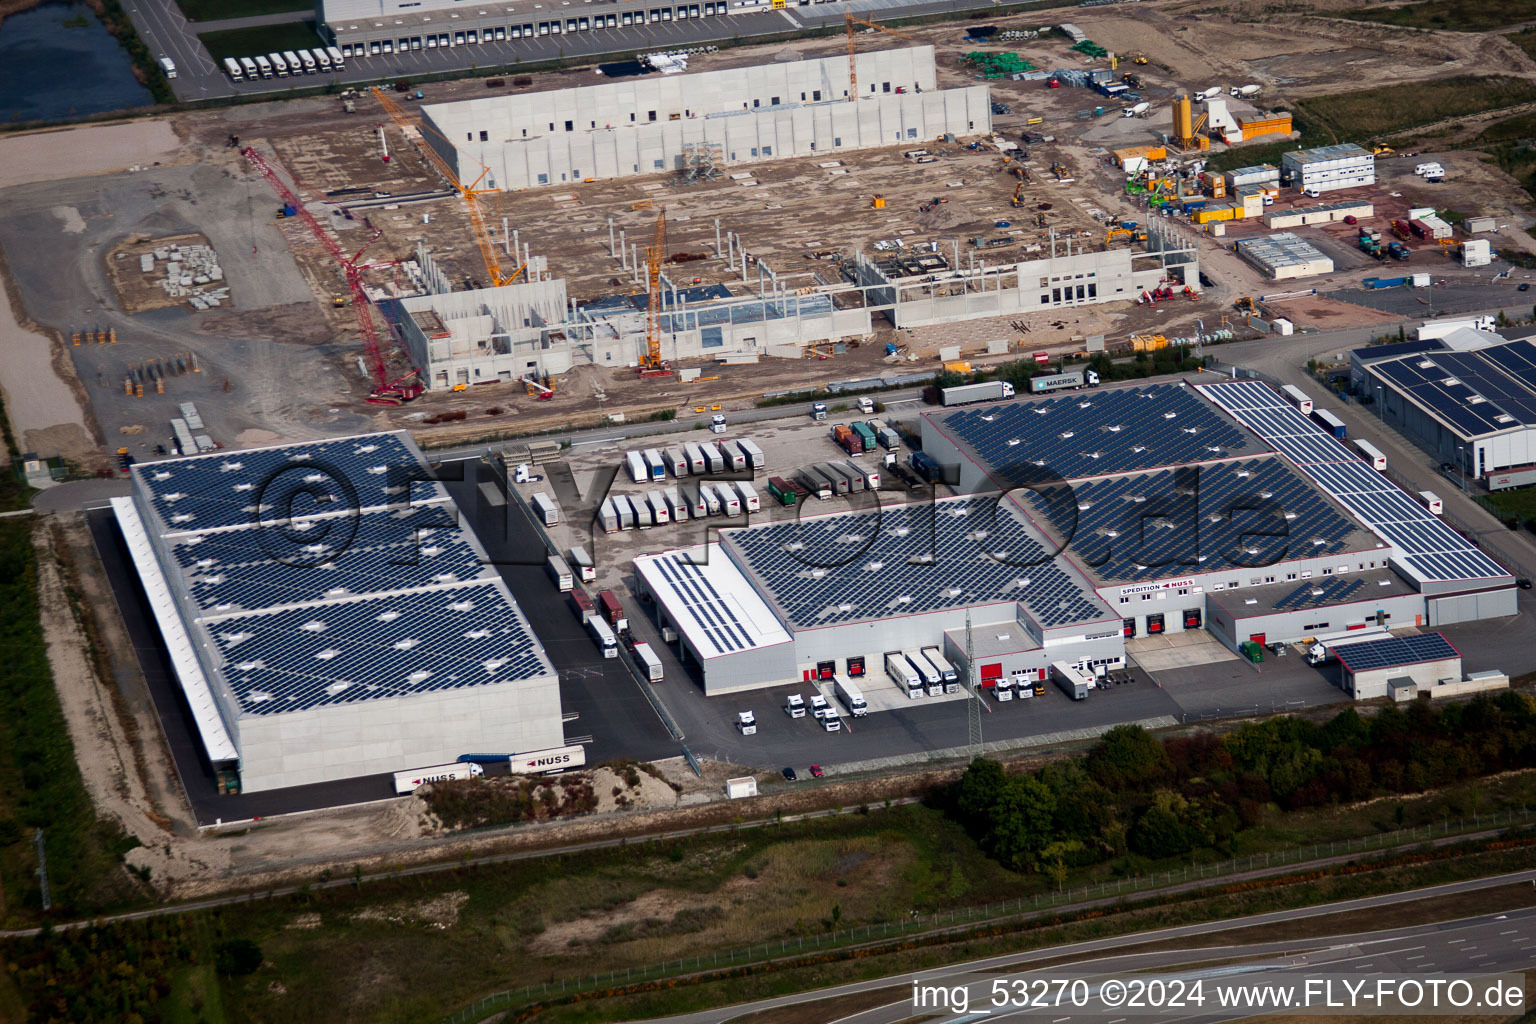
(545, 508)
(966, 394)
(560, 572)
(1071, 680)
(850, 696)
(413, 779)
(612, 610)
(1298, 398)
(1069, 381)
(903, 674)
(945, 669)
(933, 683)
(755, 457)
(1329, 422)
(650, 664)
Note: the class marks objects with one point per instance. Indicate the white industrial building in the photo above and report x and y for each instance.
(1284, 256)
(637, 126)
(1474, 409)
(327, 617)
(1327, 168)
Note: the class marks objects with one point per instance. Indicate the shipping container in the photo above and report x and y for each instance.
(654, 464)
(584, 607)
(1069, 381)
(661, 508)
(755, 459)
(781, 490)
(927, 467)
(545, 508)
(649, 663)
(1370, 453)
(814, 482)
(639, 472)
(602, 635)
(579, 560)
(1298, 398)
(866, 436)
(844, 437)
(750, 502)
(560, 572)
(735, 459)
(1329, 422)
(1432, 501)
(613, 611)
(678, 505)
(608, 516)
(677, 462)
(696, 464)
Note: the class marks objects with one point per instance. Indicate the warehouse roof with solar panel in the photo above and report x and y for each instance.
(1475, 394)
(333, 578)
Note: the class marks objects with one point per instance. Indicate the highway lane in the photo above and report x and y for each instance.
(1436, 957)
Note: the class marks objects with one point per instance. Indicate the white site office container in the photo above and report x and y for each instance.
(654, 465)
(696, 463)
(545, 508)
(639, 472)
(1298, 398)
(1432, 501)
(678, 505)
(730, 501)
(749, 497)
(677, 462)
(649, 663)
(1371, 454)
(661, 510)
(582, 563)
(754, 454)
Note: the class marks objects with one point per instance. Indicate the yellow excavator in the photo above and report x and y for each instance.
(1017, 199)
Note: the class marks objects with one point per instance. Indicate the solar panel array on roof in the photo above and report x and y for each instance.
(716, 616)
(1426, 544)
(1312, 595)
(910, 559)
(220, 490)
(1116, 430)
(1241, 514)
(1476, 393)
(1392, 651)
(301, 658)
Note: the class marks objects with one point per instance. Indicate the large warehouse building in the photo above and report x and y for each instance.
(326, 616)
(721, 118)
(1079, 522)
(1475, 409)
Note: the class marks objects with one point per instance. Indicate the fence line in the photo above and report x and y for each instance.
(1003, 908)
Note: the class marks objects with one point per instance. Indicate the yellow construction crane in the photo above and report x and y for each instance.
(471, 194)
(853, 72)
(652, 365)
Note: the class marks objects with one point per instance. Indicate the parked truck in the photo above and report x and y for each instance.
(1069, 381)
(945, 669)
(560, 572)
(413, 779)
(1071, 680)
(851, 696)
(602, 635)
(1329, 422)
(933, 683)
(1322, 649)
(966, 394)
(903, 674)
(613, 611)
(794, 706)
(650, 664)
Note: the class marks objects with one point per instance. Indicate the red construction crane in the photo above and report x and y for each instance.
(385, 391)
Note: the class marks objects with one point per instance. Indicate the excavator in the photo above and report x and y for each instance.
(1017, 199)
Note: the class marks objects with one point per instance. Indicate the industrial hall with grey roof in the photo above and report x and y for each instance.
(326, 615)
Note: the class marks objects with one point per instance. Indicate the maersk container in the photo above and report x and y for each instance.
(639, 472)
(655, 467)
(677, 462)
(866, 435)
(695, 454)
(1329, 422)
(754, 454)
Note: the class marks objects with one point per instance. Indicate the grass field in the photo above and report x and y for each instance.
(1371, 113)
(216, 10)
(264, 39)
(1449, 15)
(1519, 503)
(1312, 134)
(1525, 40)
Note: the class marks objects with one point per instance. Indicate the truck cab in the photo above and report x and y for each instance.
(867, 406)
(794, 706)
(819, 410)
(819, 707)
(746, 723)
(717, 424)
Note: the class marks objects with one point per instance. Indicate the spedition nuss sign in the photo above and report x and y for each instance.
(552, 760)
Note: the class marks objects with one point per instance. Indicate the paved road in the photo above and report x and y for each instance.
(166, 32)
(1434, 946)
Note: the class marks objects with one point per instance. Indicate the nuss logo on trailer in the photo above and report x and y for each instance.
(552, 760)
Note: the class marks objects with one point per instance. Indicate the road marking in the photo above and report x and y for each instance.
(1454, 941)
(790, 18)
(1510, 932)
(1407, 949)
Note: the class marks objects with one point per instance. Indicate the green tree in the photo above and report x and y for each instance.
(237, 957)
(1128, 757)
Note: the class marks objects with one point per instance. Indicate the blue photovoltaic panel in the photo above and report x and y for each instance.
(910, 559)
(1250, 513)
(704, 602)
(1428, 546)
(1390, 652)
(221, 489)
(1097, 433)
(302, 658)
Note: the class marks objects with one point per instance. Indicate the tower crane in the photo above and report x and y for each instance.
(470, 192)
(385, 391)
(853, 72)
(651, 365)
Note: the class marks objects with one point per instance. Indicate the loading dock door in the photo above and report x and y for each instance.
(1128, 626)
(1155, 623)
(1192, 618)
(856, 666)
(826, 669)
(1257, 638)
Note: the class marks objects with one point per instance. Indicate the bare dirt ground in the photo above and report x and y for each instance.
(43, 398)
(90, 149)
(1324, 313)
(136, 290)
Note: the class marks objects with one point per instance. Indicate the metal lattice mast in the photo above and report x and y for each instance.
(974, 700)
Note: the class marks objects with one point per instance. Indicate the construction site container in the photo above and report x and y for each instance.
(866, 436)
(579, 560)
(608, 516)
(1476, 252)
(1479, 225)
(677, 462)
(655, 467)
(545, 508)
(730, 500)
(560, 572)
(750, 502)
(735, 458)
(639, 472)
(815, 483)
(661, 509)
(678, 505)
(1420, 229)
(713, 457)
(696, 463)
(1298, 398)
(755, 458)
(782, 491)
(1222, 211)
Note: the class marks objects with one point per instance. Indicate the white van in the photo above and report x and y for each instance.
(168, 66)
